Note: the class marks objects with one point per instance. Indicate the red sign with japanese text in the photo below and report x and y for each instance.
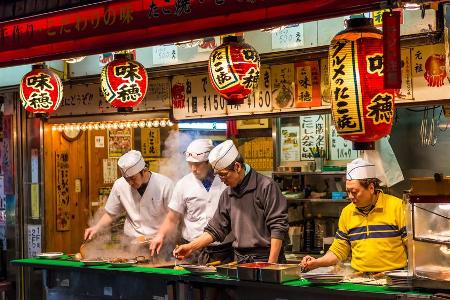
(391, 49)
(307, 84)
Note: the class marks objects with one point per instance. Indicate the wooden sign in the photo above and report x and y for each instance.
(283, 86)
(150, 142)
(62, 192)
(312, 134)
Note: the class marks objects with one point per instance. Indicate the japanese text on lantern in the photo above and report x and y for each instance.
(220, 64)
(40, 97)
(345, 89)
(250, 79)
(375, 64)
(128, 91)
(381, 108)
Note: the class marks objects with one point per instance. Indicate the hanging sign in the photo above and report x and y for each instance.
(307, 84)
(391, 50)
(406, 91)
(339, 148)
(290, 143)
(165, 55)
(312, 135)
(62, 192)
(283, 84)
(289, 37)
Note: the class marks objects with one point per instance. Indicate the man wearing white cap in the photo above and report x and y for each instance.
(371, 228)
(252, 207)
(194, 200)
(142, 194)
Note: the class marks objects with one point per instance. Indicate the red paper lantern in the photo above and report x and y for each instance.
(234, 69)
(362, 109)
(124, 82)
(41, 90)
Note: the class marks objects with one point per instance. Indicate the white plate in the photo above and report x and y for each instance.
(50, 255)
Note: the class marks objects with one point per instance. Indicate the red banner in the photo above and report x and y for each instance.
(125, 24)
(391, 50)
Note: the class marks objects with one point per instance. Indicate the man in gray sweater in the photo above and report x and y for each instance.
(252, 206)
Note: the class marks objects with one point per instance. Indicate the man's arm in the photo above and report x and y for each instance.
(275, 248)
(105, 221)
(186, 250)
(311, 263)
(168, 226)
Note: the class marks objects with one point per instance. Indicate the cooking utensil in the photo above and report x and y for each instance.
(250, 271)
(50, 255)
(279, 273)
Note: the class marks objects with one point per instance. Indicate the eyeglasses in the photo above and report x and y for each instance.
(195, 155)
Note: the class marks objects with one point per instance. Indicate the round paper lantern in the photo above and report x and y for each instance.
(124, 82)
(362, 109)
(234, 69)
(41, 90)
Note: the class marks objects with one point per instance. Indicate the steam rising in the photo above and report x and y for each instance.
(173, 164)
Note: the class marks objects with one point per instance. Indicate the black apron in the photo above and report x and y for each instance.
(248, 255)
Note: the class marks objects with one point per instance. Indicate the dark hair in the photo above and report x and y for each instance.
(239, 159)
(366, 182)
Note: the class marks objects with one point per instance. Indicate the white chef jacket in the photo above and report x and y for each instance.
(144, 214)
(195, 203)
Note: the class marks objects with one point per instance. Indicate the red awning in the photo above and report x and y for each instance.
(125, 24)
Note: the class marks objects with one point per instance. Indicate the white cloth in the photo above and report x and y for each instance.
(198, 150)
(223, 155)
(387, 168)
(131, 163)
(195, 204)
(144, 214)
(360, 169)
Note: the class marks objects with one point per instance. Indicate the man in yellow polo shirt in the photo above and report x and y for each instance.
(371, 228)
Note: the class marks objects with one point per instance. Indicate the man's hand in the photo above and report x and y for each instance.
(183, 251)
(90, 233)
(308, 263)
(156, 244)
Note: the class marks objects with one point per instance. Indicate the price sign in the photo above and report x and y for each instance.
(34, 240)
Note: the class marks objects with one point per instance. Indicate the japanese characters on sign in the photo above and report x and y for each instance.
(150, 142)
(34, 235)
(324, 82)
(62, 192)
(41, 90)
(406, 91)
(307, 84)
(345, 92)
(312, 135)
(290, 143)
(283, 83)
(124, 82)
(339, 148)
(109, 170)
(289, 37)
(165, 55)
(193, 96)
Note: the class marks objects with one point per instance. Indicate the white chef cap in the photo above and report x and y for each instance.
(360, 169)
(131, 163)
(198, 150)
(223, 155)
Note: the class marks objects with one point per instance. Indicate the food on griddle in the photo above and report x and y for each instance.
(119, 260)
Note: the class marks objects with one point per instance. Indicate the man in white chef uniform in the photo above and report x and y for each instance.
(194, 201)
(142, 194)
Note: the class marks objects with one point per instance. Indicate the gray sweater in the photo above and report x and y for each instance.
(255, 211)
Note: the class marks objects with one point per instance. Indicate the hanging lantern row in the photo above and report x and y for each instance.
(234, 69)
(124, 82)
(362, 109)
(41, 90)
(113, 125)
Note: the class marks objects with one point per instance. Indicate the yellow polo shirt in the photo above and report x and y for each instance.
(377, 241)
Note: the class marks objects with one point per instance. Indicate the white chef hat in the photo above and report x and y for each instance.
(131, 163)
(360, 169)
(223, 155)
(198, 150)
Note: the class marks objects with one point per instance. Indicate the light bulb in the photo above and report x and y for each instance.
(77, 126)
(169, 123)
(162, 123)
(89, 127)
(54, 128)
(149, 124)
(83, 127)
(60, 128)
(115, 126)
(102, 126)
(141, 124)
(96, 126)
(135, 124)
(121, 125)
(108, 126)
(128, 125)
(155, 123)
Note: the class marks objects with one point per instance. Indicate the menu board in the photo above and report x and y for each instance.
(340, 149)
(290, 143)
(312, 135)
(120, 141)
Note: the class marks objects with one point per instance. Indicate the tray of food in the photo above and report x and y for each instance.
(121, 262)
(50, 255)
(279, 273)
(250, 271)
(199, 269)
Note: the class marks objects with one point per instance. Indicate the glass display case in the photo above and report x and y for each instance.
(429, 231)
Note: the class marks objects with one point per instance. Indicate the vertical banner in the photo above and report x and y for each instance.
(283, 85)
(62, 192)
(34, 240)
(324, 82)
(312, 135)
(290, 144)
(406, 92)
(150, 142)
(109, 170)
(391, 50)
(307, 84)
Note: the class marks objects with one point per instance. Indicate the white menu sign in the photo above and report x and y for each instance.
(34, 240)
(165, 55)
(290, 144)
(289, 37)
(312, 134)
(340, 149)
